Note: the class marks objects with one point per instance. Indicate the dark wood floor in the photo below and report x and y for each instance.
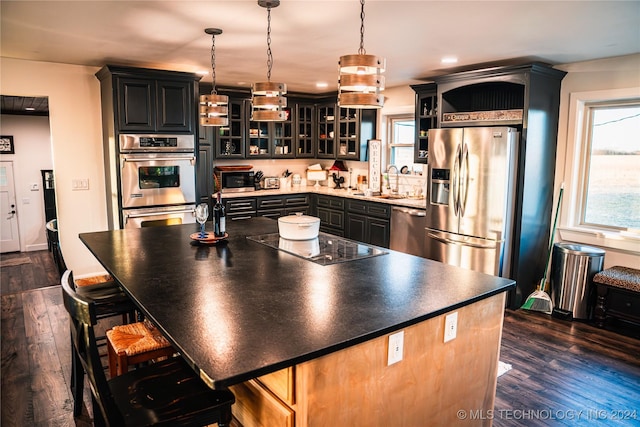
(39, 272)
(559, 368)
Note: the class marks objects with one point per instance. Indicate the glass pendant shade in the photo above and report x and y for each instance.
(214, 110)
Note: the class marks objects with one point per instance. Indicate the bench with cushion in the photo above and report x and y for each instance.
(618, 294)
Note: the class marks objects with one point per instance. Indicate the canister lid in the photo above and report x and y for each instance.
(298, 219)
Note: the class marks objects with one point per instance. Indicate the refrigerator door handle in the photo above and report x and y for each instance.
(464, 178)
(456, 181)
(443, 239)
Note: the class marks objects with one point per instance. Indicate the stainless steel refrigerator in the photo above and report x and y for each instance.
(470, 200)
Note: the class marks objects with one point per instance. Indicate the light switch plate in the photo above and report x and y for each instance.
(450, 326)
(396, 347)
(80, 184)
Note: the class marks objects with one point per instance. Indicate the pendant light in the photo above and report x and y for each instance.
(267, 98)
(361, 78)
(214, 110)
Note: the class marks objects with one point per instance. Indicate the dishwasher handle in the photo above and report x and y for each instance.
(410, 211)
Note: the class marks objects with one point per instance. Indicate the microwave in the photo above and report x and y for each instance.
(235, 181)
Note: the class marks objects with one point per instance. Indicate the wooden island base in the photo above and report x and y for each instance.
(355, 387)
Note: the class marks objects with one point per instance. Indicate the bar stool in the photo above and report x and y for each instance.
(167, 393)
(135, 343)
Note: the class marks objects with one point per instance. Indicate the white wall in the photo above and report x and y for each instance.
(32, 144)
(604, 74)
(76, 136)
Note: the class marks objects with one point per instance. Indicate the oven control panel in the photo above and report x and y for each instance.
(157, 143)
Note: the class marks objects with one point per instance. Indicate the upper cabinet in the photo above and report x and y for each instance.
(229, 140)
(355, 128)
(426, 116)
(326, 125)
(148, 101)
(305, 130)
(271, 139)
(343, 133)
(315, 127)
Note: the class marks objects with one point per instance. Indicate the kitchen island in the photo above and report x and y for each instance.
(301, 343)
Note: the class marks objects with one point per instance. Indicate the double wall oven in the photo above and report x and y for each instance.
(157, 179)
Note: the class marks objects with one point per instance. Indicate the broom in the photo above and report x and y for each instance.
(539, 300)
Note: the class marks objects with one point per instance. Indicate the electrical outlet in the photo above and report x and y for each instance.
(450, 326)
(396, 347)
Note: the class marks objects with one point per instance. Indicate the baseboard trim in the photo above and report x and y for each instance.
(36, 247)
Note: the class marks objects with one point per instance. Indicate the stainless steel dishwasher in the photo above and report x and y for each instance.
(407, 230)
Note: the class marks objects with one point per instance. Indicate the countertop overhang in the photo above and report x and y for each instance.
(240, 309)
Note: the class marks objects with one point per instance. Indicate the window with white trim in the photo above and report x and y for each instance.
(401, 141)
(611, 182)
(602, 170)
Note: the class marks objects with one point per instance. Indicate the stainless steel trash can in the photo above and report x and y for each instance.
(572, 269)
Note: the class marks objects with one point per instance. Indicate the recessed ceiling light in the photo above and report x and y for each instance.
(322, 85)
(202, 72)
(449, 60)
(30, 109)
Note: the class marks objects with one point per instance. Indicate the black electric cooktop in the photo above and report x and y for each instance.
(325, 249)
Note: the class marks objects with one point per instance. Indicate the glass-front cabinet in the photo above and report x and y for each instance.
(305, 143)
(426, 116)
(326, 131)
(283, 141)
(229, 140)
(356, 128)
(348, 133)
(270, 139)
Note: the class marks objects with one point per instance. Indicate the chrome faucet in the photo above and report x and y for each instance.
(394, 191)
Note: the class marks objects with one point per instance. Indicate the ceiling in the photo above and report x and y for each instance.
(308, 37)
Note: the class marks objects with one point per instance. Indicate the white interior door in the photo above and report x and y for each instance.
(9, 238)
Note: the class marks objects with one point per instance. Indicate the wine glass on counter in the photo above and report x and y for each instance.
(202, 214)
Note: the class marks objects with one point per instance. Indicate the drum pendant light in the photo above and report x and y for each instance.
(361, 79)
(214, 110)
(267, 98)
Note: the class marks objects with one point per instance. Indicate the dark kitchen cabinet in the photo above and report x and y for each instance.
(229, 140)
(368, 222)
(330, 210)
(355, 128)
(326, 126)
(426, 118)
(271, 139)
(238, 209)
(526, 97)
(141, 100)
(153, 105)
(277, 206)
(305, 132)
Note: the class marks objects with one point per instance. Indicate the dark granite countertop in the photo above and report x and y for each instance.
(240, 309)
